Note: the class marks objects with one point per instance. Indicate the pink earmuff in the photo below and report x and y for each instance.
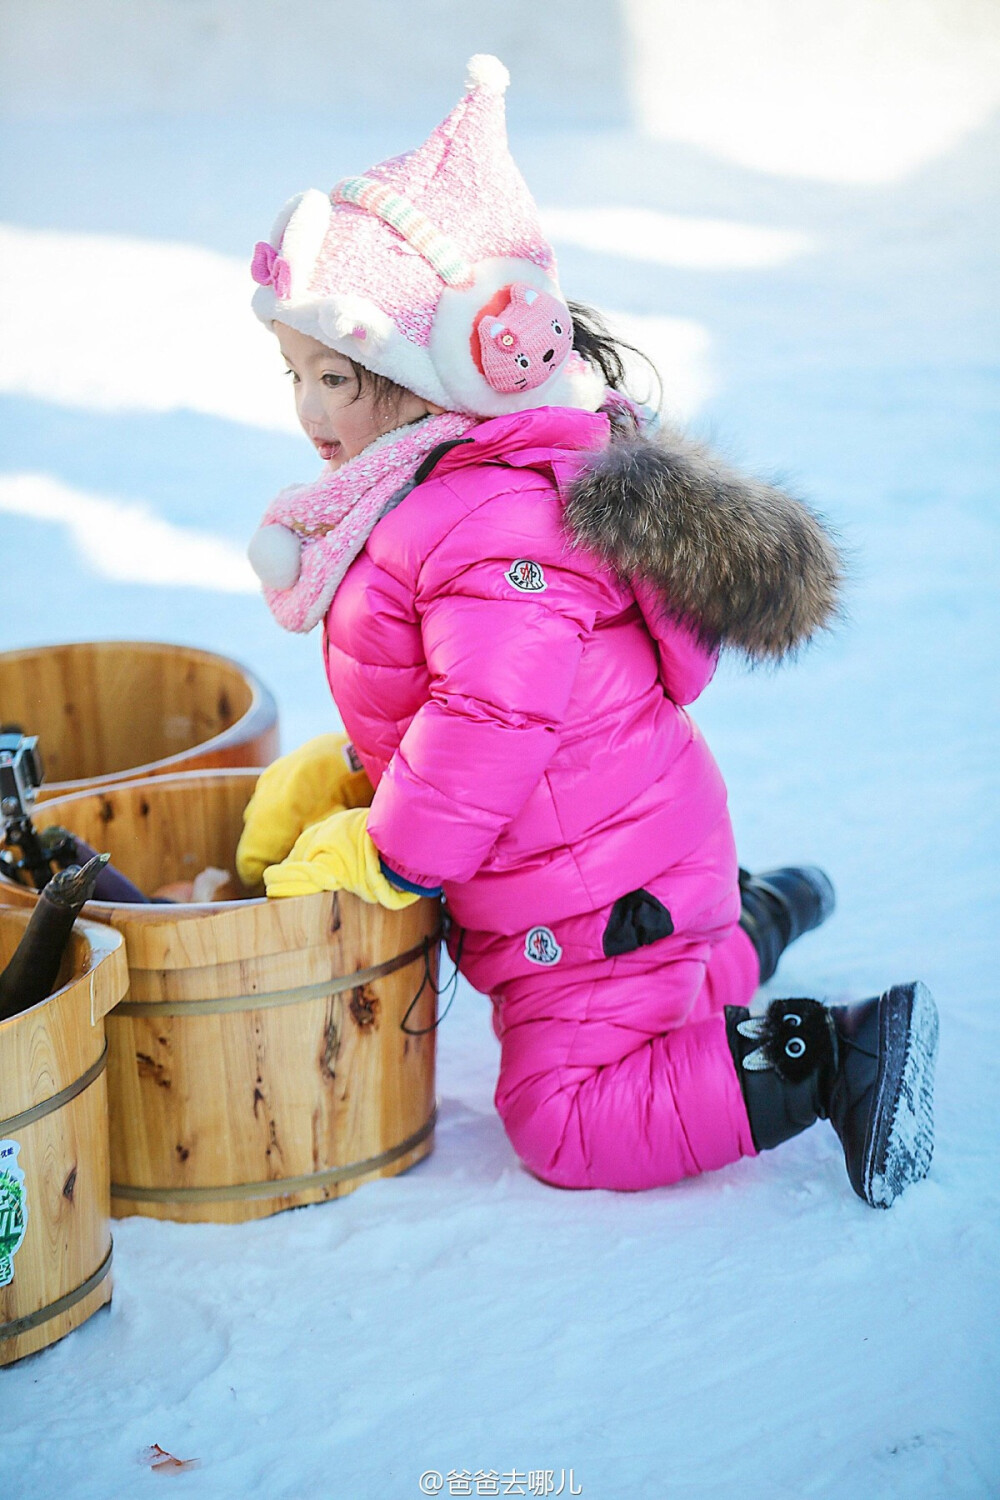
(524, 343)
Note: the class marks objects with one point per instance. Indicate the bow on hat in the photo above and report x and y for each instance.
(268, 268)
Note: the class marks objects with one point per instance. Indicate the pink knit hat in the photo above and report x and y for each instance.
(433, 269)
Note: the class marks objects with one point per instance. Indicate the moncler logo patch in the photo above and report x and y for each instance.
(352, 757)
(540, 947)
(526, 576)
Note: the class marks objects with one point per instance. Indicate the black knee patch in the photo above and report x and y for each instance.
(636, 920)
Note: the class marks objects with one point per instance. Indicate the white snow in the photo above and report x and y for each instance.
(673, 239)
(62, 292)
(129, 543)
(856, 92)
(758, 1331)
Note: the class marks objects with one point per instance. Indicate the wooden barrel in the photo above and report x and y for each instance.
(260, 1060)
(55, 1232)
(111, 711)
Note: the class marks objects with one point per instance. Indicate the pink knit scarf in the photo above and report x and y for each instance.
(311, 533)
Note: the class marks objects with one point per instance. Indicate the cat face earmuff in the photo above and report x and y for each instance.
(523, 344)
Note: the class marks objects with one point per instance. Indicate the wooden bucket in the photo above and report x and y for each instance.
(112, 711)
(260, 1060)
(54, 1144)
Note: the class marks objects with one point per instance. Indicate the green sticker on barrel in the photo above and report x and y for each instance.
(13, 1209)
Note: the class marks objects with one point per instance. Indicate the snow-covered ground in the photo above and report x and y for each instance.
(756, 1332)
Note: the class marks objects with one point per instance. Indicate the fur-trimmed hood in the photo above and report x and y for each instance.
(747, 565)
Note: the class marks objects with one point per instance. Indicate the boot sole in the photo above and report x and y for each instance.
(901, 1141)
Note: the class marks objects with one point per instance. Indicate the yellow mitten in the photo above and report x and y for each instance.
(336, 854)
(318, 778)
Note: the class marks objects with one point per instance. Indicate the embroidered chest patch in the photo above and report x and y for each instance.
(526, 576)
(540, 947)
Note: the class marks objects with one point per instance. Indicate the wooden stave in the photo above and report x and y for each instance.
(156, 935)
(64, 1151)
(251, 739)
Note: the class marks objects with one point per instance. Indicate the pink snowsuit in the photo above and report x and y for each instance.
(519, 706)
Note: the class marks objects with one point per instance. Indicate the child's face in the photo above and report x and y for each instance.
(339, 421)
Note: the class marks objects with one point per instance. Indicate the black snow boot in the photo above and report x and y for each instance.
(867, 1068)
(779, 906)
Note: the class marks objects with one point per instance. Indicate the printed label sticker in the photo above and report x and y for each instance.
(540, 947)
(526, 576)
(13, 1209)
(352, 757)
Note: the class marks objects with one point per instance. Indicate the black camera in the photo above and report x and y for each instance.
(21, 774)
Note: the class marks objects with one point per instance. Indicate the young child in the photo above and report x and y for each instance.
(520, 590)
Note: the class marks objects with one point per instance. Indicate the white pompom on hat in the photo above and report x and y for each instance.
(397, 268)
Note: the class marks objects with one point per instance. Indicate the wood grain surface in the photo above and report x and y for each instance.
(63, 1154)
(107, 711)
(269, 1055)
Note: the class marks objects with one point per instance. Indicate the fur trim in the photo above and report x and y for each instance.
(383, 350)
(573, 383)
(742, 562)
(301, 239)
